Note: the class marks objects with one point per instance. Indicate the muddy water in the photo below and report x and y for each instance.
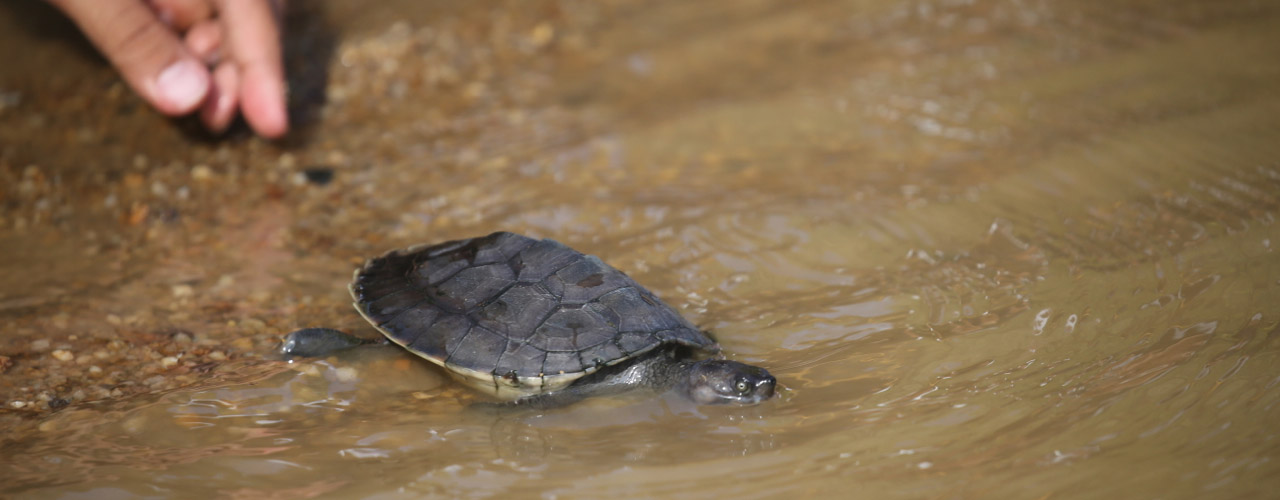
(992, 249)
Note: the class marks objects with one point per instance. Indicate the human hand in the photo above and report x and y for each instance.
(217, 56)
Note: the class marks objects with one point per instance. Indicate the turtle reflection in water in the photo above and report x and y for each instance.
(535, 323)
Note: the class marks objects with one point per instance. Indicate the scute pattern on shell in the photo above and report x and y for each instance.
(512, 314)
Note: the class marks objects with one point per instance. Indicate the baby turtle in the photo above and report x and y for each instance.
(535, 322)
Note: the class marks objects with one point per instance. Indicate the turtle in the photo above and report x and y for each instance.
(533, 322)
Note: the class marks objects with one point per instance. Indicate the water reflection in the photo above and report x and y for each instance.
(989, 248)
(274, 433)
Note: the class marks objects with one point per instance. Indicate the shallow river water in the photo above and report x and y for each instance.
(990, 249)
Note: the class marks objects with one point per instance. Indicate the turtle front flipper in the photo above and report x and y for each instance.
(317, 342)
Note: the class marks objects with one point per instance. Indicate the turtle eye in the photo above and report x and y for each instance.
(742, 386)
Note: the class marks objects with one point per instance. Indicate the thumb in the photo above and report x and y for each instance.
(147, 53)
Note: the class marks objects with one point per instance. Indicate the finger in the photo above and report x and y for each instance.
(181, 14)
(252, 40)
(204, 40)
(145, 51)
(220, 108)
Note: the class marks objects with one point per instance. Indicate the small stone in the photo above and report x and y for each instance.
(114, 320)
(182, 291)
(18, 404)
(57, 403)
(422, 395)
(242, 344)
(346, 374)
(319, 176)
(40, 345)
(63, 355)
(134, 425)
(168, 361)
(201, 172)
(95, 370)
(217, 356)
(307, 369)
(542, 35)
(182, 338)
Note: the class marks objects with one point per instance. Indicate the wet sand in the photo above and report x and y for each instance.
(991, 248)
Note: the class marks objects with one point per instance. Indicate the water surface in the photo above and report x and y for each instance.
(991, 248)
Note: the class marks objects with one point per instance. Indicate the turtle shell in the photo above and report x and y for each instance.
(513, 315)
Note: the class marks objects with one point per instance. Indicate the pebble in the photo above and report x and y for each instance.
(346, 374)
(18, 404)
(182, 291)
(217, 356)
(40, 345)
(168, 361)
(542, 35)
(318, 175)
(253, 324)
(63, 355)
(243, 344)
(201, 172)
(182, 338)
(286, 161)
(307, 369)
(134, 425)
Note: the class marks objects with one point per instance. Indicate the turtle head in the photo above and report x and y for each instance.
(719, 381)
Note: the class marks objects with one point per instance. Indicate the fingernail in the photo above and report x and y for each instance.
(183, 84)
